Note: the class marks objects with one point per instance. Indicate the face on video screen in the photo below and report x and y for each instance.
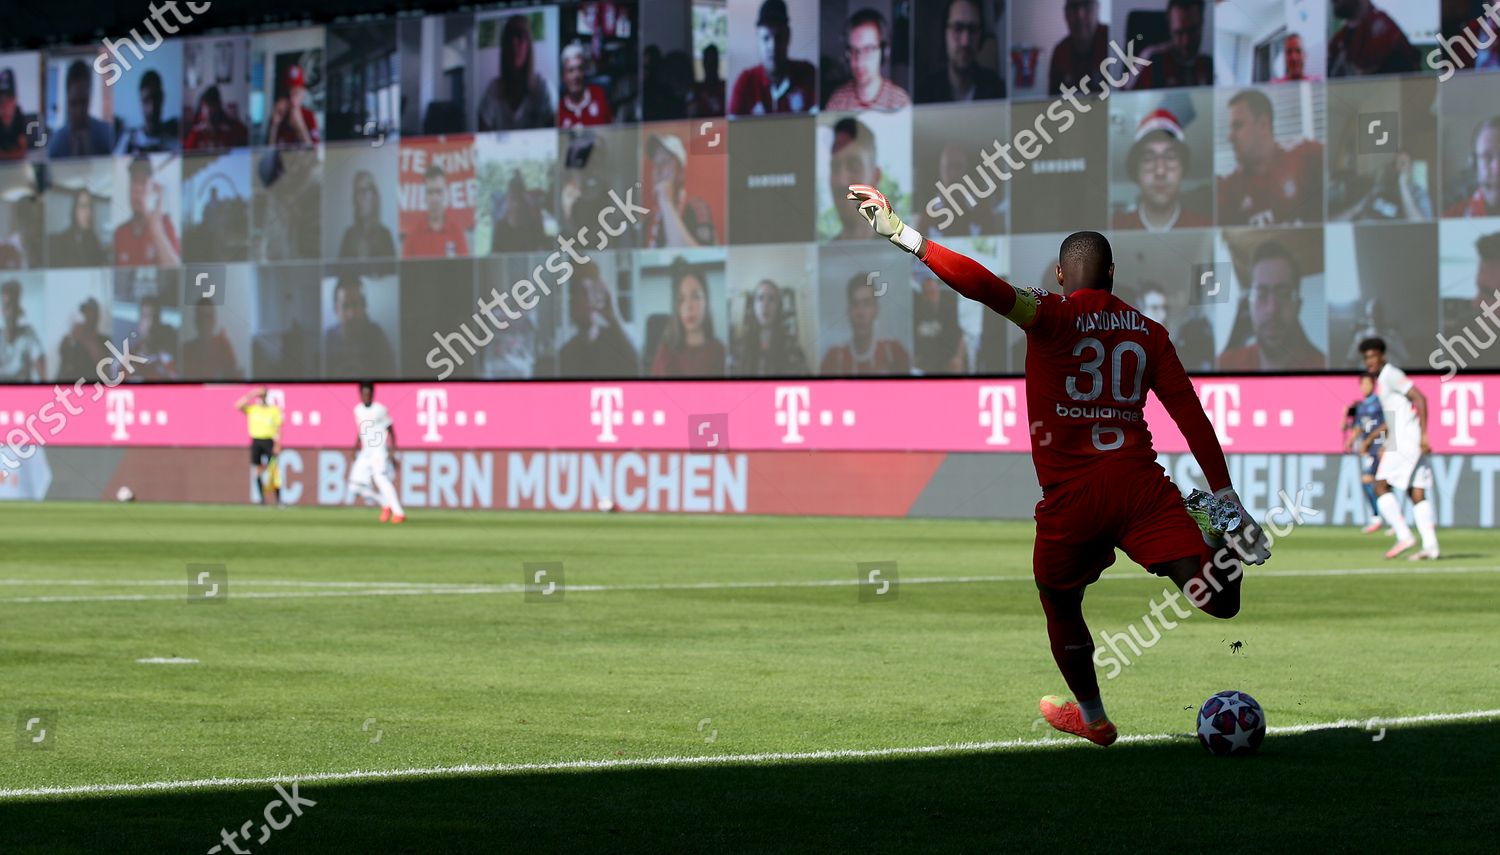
(1161, 163)
(289, 107)
(216, 93)
(21, 120)
(1273, 315)
(1270, 173)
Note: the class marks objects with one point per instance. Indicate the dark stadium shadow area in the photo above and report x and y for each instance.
(1338, 790)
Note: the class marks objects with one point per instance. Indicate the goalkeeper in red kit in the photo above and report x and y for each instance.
(1090, 359)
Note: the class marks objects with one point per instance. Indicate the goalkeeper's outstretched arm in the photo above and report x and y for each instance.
(961, 273)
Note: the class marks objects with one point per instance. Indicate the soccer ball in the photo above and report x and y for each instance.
(1231, 722)
(606, 505)
(124, 494)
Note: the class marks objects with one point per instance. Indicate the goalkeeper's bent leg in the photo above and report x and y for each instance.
(1211, 581)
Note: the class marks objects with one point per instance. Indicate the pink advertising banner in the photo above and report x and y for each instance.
(1251, 415)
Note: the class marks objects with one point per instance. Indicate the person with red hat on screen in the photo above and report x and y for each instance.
(292, 124)
(1157, 162)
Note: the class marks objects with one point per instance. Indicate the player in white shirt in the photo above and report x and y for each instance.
(372, 455)
(1403, 464)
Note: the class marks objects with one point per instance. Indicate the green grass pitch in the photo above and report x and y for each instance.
(346, 646)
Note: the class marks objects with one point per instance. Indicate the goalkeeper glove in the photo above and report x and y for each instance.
(876, 209)
(1249, 541)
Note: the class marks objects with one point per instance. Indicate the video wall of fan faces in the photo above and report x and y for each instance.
(656, 189)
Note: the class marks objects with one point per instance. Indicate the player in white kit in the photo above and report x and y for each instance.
(1403, 464)
(372, 455)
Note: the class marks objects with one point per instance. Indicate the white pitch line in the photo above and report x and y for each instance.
(166, 660)
(701, 760)
(411, 589)
(1412, 569)
(261, 595)
(260, 583)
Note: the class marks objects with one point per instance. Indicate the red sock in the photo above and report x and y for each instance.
(1072, 647)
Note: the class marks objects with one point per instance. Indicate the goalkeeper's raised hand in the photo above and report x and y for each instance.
(876, 209)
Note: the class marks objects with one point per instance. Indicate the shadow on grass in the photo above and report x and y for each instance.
(1416, 787)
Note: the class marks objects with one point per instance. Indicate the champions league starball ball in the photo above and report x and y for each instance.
(1231, 723)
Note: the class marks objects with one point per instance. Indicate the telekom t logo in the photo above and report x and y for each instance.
(432, 412)
(792, 403)
(276, 398)
(1467, 412)
(606, 410)
(1222, 403)
(997, 411)
(119, 407)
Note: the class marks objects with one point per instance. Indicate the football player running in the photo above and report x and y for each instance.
(1090, 358)
(1404, 463)
(372, 455)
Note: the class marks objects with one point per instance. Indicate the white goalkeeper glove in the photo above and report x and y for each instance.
(1249, 541)
(876, 209)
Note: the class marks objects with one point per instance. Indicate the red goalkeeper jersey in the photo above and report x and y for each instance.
(1090, 360)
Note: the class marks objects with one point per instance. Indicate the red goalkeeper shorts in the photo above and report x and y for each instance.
(1081, 522)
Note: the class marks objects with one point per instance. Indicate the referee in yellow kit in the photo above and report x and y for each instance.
(264, 422)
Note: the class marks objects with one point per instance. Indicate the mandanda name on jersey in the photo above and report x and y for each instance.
(1090, 321)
